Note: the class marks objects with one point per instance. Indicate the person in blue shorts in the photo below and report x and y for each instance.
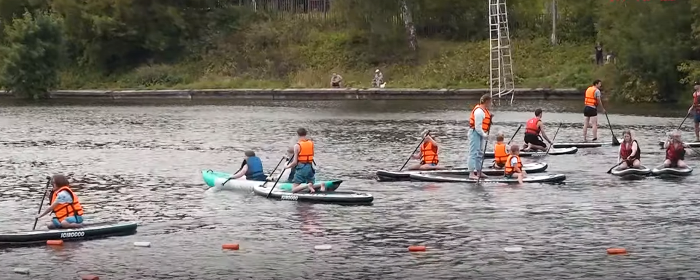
(65, 205)
(302, 162)
(695, 109)
(251, 167)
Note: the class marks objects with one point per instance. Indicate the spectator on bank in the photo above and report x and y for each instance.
(599, 54)
(336, 81)
(378, 80)
(610, 58)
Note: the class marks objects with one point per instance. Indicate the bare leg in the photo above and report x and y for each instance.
(586, 124)
(65, 224)
(667, 163)
(430, 167)
(296, 187)
(697, 131)
(520, 177)
(681, 164)
(623, 166)
(414, 167)
(595, 127)
(50, 225)
(637, 163)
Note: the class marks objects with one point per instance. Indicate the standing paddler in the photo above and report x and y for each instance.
(592, 101)
(479, 126)
(695, 110)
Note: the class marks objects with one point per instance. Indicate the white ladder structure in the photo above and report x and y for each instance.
(501, 81)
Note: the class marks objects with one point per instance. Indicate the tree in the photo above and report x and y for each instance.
(32, 55)
(650, 40)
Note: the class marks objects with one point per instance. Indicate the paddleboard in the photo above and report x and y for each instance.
(582, 145)
(690, 144)
(552, 152)
(385, 175)
(641, 171)
(446, 178)
(673, 171)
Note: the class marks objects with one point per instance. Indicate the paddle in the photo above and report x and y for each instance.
(278, 179)
(414, 151)
(48, 182)
(614, 138)
(616, 165)
(681, 125)
(231, 178)
(516, 133)
(553, 138)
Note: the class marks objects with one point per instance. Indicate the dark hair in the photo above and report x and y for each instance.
(538, 112)
(485, 98)
(60, 180)
(301, 132)
(596, 82)
(249, 153)
(499, 138)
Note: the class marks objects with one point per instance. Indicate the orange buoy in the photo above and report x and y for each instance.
(414, 248)
(54, 242)
(89, 277)
(232, 246)
(617, 251)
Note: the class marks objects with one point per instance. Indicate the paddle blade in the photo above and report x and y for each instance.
(615, 142)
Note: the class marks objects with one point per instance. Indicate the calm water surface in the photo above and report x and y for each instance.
(142, 163)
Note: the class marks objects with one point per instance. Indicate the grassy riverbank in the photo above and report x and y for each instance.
(307, 62)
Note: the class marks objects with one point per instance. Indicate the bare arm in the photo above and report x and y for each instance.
(241, 172)
(634, 149)
(49, 209)
(544, 135)
(296, 157)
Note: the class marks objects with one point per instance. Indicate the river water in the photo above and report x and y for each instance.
(142, 163)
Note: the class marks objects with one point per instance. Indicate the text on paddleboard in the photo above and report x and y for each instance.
(72, 234)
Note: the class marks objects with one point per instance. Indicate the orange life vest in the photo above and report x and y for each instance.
(590, 99)
(696, 101)
(499, 153)
(64, 210)
(306, 151)
(531, 126)
(486, 124)
(511, 169)
(428, 153)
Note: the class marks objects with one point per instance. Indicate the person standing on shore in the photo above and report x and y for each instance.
(479, 126)
(592, 102)
(695, 109)
(378, 79)
(336, 80)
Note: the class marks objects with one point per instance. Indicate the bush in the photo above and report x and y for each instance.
(32, 55)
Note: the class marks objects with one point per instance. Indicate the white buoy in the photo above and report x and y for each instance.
(21, 270)
(142, 244)
(322, 247)
(513, 249)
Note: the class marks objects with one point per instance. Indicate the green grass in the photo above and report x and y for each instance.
(282, 55)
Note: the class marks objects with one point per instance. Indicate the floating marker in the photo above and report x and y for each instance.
(416, 248)
(323, 247)
(617, 251)
(513, 249)
(232, 246)
(54, 242)
(142, 244)
(89, 277)
(21, 270)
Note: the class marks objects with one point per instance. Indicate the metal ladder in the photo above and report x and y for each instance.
(501, 81)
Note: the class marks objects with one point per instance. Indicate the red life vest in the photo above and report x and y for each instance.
(626, 150)
(531, 126)
(675, 152)
(696, 101)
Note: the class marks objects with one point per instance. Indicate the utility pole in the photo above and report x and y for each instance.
(554, 22)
